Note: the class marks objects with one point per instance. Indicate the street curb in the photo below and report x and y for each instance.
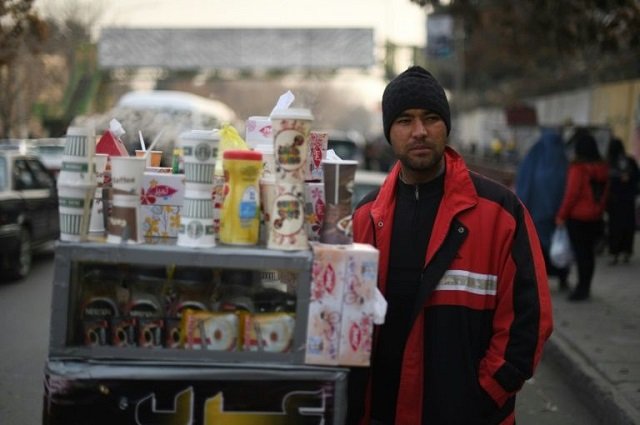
(593, 389)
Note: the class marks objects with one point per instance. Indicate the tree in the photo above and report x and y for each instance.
(517, 47)
(21, 33)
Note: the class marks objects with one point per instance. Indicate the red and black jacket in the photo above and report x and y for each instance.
(483, 327)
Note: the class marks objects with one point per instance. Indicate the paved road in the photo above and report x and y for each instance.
(545, 400)
(24, 323)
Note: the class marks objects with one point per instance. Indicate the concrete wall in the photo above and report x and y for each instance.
(616, 105)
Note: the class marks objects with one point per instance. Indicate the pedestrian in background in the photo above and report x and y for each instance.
(461, 268)
(540, 183)
(583, 206)
(621, 206)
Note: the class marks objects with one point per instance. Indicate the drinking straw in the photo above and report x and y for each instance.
(141, 140)
(153, 144)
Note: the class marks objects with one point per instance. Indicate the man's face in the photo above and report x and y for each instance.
(418, 138)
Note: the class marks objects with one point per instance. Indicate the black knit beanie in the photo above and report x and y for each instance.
(415, 88)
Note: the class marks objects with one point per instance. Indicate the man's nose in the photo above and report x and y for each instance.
(418, 128)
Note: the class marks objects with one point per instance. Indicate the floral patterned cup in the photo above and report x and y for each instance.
(291, 129)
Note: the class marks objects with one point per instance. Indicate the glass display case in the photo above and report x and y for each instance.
(168, 302)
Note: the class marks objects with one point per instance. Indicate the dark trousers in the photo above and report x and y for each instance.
(561, 273)
(584, 235)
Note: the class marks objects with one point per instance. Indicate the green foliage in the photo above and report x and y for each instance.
(545, 42)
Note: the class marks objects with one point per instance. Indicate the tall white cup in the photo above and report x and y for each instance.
(126, 174)
(291, 143)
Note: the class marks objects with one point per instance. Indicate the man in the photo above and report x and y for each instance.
(462, 271)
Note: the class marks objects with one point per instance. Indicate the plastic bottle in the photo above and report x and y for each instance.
(175, 162)
(240, 218)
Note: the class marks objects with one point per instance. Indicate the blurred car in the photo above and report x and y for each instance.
(50, 152)
(364, 182)
(28, 211)
(347, 145)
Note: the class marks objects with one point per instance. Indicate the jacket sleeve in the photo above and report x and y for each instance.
(523, 318)
(571, 194)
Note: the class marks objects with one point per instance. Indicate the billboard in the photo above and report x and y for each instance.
(440, 36)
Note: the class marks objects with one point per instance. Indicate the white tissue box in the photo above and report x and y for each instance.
(341, 310)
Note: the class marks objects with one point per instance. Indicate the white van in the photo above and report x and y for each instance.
(202, 112)
(170, 112)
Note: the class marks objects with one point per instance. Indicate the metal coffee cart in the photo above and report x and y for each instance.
(106, 367)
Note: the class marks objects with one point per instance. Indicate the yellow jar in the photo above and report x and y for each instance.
(240, 218)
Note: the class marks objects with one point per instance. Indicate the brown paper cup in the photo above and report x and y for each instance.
(338, 190)
(153, 159)
(123, 224)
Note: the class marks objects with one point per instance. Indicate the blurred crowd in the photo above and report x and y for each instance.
(572, 184)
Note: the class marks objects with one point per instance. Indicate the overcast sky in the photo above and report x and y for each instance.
(398, 20)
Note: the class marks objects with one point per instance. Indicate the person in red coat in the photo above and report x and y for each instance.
(583, 206)
(463, 274)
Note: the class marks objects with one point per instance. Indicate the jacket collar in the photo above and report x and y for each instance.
(459, 194)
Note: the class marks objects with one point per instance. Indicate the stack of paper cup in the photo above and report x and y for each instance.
(200, 150)
(77, 159)
(75, 209)
(196, 220)
(98, 211)
(126, 181)
(291, 129)
(76, 184)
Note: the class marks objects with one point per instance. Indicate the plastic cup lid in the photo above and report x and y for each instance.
(292, 113)
(242, 154)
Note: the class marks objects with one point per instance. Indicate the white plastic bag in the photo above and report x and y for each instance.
(560, 253)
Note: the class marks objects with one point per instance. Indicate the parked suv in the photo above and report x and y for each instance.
(28, 211)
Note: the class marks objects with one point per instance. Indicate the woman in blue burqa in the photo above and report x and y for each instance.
(540, 183)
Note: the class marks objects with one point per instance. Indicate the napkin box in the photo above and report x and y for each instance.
(161, 200)
(341, 309)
